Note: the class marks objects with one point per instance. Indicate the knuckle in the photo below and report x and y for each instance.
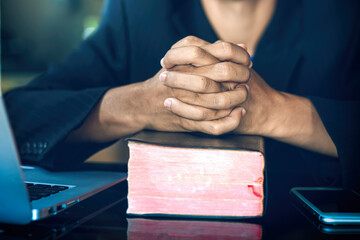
(169, 55)
(206, 83)
(227, 100)
(175, 45)
(190, 39)
(214, 129)
(197, 52)
(180, 123)
(204, 115)
(196, 97)
(226, 70)
(228, 49)
(222, 43)
(184, 124)
(221, 100)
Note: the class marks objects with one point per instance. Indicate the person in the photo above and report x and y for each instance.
(300, 91)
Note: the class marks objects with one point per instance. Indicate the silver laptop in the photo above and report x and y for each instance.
(30, 193)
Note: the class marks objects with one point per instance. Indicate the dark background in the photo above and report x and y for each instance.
(36, 34)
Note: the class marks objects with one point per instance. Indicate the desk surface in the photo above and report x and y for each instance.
(104, 217)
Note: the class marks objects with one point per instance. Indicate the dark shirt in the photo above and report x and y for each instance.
(310, 48)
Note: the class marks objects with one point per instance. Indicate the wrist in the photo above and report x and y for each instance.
(290, 115)
(272, 116)
(112, 118)
(298, 123)
(121, 109)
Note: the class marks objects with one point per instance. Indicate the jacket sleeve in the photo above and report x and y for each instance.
(341, 118)
(45, 111)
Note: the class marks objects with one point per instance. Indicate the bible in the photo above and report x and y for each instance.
(195, 175)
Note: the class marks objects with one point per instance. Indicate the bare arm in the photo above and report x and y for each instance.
(285, 117)
(128, 109)
(296, 121)
(102, 125)
(270, 113)
(206, 95)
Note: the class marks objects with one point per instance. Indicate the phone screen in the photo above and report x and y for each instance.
(333, 200)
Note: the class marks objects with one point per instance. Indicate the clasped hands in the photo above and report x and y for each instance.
(212, 88)
(209, 88)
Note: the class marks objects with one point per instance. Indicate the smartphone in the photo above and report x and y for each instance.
(329, 206)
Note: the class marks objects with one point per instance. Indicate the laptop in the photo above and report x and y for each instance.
(77, 217)
(30, 193)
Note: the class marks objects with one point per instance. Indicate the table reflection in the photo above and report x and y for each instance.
(159, 229)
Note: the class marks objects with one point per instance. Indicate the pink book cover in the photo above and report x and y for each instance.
(148, 229)
(189, 175)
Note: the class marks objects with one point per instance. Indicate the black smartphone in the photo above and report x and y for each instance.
(329, 206)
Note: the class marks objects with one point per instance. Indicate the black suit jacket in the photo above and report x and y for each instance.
(310, 48)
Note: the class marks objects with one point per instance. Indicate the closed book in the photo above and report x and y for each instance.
(195, 175)
(160, 229)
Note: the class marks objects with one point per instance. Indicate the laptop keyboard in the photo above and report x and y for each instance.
(37, 191)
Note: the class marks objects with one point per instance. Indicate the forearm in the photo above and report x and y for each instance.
(295, 121)
(265, 111)
(112, 118)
